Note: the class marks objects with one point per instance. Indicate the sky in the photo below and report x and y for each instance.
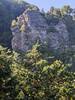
(46, 4)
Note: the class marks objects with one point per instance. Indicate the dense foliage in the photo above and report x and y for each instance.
(29, 76)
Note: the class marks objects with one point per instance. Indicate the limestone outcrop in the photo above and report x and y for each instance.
(31, 26)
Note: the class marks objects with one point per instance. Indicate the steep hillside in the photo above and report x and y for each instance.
(55, 29)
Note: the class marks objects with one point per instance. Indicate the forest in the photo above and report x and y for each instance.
(33, 76)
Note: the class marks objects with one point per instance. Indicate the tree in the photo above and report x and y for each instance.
(40, 80)
(66, 10)
(8, 83)
(29, 76)
(5, 72)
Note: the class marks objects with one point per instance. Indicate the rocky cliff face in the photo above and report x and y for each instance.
(60, 38)
(31, 26)
(9, 10)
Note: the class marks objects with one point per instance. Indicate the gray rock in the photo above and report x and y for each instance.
(59, 40)
(31, 27)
